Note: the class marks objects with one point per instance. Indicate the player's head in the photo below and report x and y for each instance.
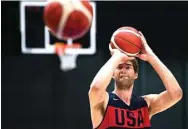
(126, 73)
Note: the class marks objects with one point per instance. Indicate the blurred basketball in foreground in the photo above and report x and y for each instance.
(127, 40)
(67, 19)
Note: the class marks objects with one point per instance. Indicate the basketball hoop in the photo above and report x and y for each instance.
(67, 59)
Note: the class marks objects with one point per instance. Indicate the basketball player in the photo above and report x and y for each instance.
(121, 108)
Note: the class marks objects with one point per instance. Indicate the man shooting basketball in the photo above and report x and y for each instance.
(122, 108)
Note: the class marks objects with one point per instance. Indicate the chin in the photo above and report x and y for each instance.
(124, 85)
(127, 84)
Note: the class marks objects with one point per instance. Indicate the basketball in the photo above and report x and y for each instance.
(127, 40)
(68, 19)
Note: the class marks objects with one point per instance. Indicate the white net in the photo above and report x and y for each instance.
(67, 58)
(68, 61)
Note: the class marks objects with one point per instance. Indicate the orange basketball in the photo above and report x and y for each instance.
(67, 19)
(127, 40)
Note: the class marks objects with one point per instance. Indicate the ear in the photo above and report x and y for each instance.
(136, 76)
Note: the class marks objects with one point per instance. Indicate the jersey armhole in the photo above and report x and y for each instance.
(147, 103)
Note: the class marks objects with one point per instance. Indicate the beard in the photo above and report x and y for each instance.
(124, 83)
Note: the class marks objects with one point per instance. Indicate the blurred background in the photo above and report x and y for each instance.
(36, 94)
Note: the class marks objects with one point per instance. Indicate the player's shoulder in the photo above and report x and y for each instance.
(149, 97)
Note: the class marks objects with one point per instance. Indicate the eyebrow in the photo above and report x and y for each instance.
(126, 64)
(129, 64)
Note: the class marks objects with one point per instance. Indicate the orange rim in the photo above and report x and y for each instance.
(60, 47)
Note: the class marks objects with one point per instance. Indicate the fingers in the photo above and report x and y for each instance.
(141, 33)
(110, 48)
(112, 51)
(144, 42)
(138, 55)
(142, 36)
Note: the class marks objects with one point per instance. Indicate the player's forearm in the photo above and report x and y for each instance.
(103, 77)
(168, 79)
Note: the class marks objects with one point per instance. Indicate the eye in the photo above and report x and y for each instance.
(120, 66)
(127, 67)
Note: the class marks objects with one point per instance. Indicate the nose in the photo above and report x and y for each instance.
(124, 69)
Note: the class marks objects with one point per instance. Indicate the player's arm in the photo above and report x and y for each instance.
(173, 92)
(169, 97)
(97, 92)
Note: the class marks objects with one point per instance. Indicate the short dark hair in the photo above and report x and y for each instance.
(135, 65)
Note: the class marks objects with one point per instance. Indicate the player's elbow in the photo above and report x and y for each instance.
(95, 87)
(178, 94)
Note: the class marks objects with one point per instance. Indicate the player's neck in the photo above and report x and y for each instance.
(125, 94)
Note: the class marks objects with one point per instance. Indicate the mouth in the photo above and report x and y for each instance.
(124, 76)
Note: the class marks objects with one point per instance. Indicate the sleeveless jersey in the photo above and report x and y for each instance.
(119, 115)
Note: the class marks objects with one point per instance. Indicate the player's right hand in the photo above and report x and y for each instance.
(123, 57)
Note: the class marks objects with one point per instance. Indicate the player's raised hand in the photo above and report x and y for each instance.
(146, 51)
(116, 52)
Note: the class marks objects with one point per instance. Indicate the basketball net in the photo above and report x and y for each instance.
(68, 60)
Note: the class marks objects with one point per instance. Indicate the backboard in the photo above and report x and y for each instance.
(36, 39)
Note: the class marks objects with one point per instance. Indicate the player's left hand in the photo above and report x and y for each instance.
(146, 52)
